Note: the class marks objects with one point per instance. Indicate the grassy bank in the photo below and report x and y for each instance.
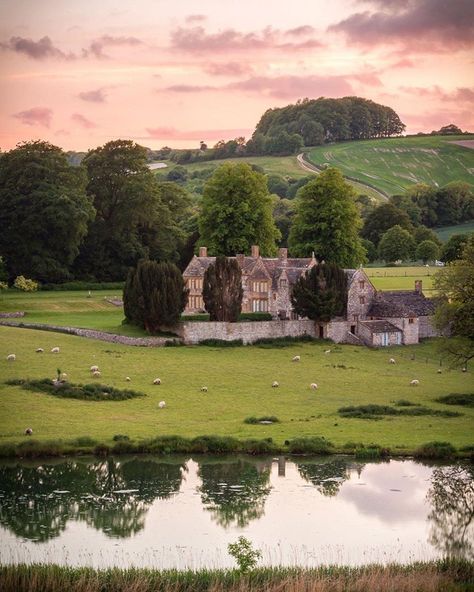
(418, 577)
(239, 386)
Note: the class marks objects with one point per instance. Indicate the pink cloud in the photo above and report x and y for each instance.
(228, 69)
(96, 48)
(403, 63)
(37, 50)
(93, 96)
(195, 18)
(190, 88)
(303, 30)
(171, 133)
(83, 121)
(35, 116)
(291, 87)
(460, 95)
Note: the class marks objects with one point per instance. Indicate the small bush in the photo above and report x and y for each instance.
(464, 399)
(257, 447)
(284, 341)
(244, 554)
(435, 450)
(316, 445)
(123, 447)
(215, 444)
(221, 343)
(120, 438)
(24, 284)
(78, 285)
(371, 451)
(83, 442)
(256, 420)
(35, 449)
(102, 450)
(376, 412)
(69, 390)
(255, 316)
(404, 403)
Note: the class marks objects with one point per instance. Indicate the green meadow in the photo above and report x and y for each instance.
(239, 382)
(446, 232)
(393, 164)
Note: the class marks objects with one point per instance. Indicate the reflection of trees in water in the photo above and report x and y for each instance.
(452, 498)
(113, 496)
(327, 476)
(235, 491)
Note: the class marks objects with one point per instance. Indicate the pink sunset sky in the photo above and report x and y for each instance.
(79, 74)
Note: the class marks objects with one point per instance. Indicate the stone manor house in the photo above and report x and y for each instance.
(374, 317)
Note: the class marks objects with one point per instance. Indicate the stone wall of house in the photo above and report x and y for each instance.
(410, 330)
(426, 328)
(337, 331)
(365, 334)
(392, 339)
(248, 332)
(360, 288)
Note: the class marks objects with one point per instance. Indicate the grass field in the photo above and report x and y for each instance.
(446, 232)
(393, 164)
(239, 386)
(402, 278)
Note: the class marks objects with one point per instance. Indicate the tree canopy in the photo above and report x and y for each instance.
(237, 212)
(396, 244)
(44, 211)
(222, 290)
(327, 221)
(382, 219)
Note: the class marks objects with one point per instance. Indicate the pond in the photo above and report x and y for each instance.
(182, 512)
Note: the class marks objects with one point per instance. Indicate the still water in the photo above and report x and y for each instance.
(182, 512)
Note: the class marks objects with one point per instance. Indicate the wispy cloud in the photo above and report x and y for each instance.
(83, 121)
(228, 69)
(96, 48)
(461, 95)
(93, 96)
(37, 50)
(40, 116)
(171, 133)
(195, 18)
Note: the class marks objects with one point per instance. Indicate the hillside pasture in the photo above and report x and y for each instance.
(446, 232)
(239, 382)
(393, 164)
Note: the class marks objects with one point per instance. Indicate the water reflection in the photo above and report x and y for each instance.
(235, 491)
(327, 476)
(112, 496)
(452, 501)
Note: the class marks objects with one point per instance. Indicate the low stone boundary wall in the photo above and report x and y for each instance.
(193, 332)
(11, 315)
(92, 334)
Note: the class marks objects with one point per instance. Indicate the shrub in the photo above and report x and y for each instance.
(221, 343)
(123, 447)
(69, 390)
(371, 451)
(120, 438)
(464, 399)
(244, 554)
(372, 411)
(83, 442)
(259, 447)
(404, 403)
(284, 341)
(215, 444)
(102, 450)
(315, 445)
(24, 284)
(435, 450)
(255, 316)
(80, 285)
(255, 420)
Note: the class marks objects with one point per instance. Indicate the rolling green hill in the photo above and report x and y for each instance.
(393, 164)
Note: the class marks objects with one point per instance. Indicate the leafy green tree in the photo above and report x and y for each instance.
(382, 219)
(454, 247)
(222, 290)
(283, 212)
(277, 184)
(371, 250)
(44, 211)
(422, 233)
(455, 312)
(427, 250)
(134, 217)
(327, 221)
(237, 212)
(154, 295)
(396, 244)
(320, 294)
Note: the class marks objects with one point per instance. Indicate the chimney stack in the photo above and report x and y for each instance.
(202, 251)
(282, 253)
(255, 251)
(240, 259)
(419, 286)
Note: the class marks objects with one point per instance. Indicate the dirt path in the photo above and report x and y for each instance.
(464, 143)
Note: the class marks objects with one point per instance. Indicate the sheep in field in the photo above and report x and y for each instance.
(204, 389)
(157, 381)
(94, 368)
(391, 361)
(296, 359)
(414, 382)
(40, 350)
(96, 374)
(161, 404)
(439, 370)
(55, 350)
(128, 379)
(11, 357)
(328, 351)
(28, 432)
(313, 386)
(275, 384)
(63, 376)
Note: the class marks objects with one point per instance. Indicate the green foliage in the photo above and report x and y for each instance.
(320, 294)
(24, 284)
(279, 342)
(432, 450)
(404, 403)
(384, 217)
(315, 445)
(3, 286)
(81, 285)
(464, 399)
(221, 343)
(396, 244)
(327, 222)
(427, 250)
(237, 212)
(422, 233)
(453, 248)
(255, 420)
(371, 451)
(245, 555)
(372, 411)
(44, 211)
(222, 290)
(69, 390)
(154, 295)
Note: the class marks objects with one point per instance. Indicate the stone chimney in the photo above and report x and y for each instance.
(240, 259)
(419, 286)
(255, 251)
(202, 251)
(282, 253)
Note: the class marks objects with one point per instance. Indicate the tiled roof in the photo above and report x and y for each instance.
(402, 303)
(380, 327)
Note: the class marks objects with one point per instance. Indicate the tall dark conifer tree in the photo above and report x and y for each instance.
(222, 290)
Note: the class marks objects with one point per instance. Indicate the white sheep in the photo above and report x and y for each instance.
(328, 351)
(204, 389)
(128, 379)
(161, 404)
(414, 382)
(55, 350)
(96, 374)
(40, 350)
(439, 370)
(94, 368)
(275, 384)
(296, 359)
(63, 376)
(313, 386)
(391, 361)
(28, 432)
(11, 357)
(157, 381)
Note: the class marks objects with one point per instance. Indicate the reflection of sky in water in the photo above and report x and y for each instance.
(341, 513)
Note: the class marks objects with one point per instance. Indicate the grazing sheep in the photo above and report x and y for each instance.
(328, 351)
(11, 357)
(313, 386)
(96, 374)
(414, 382)
(94, 368)
(464, 369)
(128, 379)
(296, 359)
(55, 350)
(28, 432)
(161, 404)
(157, 381)
(63, 376)
(391, 361)
(204, 389)
(40, 350)
(275, 384)
(439, 370)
